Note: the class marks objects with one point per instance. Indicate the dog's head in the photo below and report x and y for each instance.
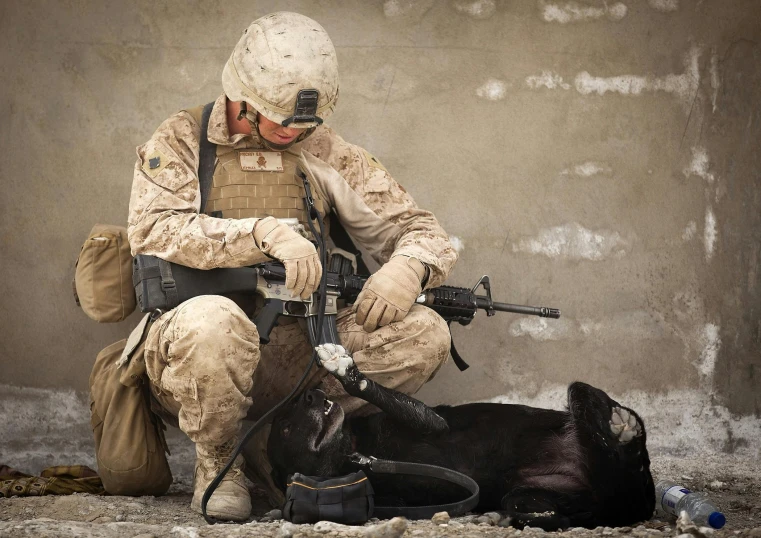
(308, 437)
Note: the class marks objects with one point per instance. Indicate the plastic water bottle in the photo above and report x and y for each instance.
(673, 499)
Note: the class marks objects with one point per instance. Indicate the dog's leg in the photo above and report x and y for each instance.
(398, 406)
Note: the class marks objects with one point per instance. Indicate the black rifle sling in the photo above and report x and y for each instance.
(207, 158)
(458, 360)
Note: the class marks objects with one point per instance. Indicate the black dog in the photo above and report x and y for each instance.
(584, 467)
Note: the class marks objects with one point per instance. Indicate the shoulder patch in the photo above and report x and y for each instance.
(372, 161)
(154, 163)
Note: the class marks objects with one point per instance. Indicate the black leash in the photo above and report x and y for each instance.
(420, 469)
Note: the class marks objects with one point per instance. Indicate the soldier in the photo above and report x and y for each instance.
(203, 358)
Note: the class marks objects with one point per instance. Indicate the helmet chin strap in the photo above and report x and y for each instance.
(253, 121)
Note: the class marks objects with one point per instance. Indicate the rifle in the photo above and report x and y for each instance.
(161, 286)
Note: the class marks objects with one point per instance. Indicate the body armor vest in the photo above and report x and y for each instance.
(258, 183)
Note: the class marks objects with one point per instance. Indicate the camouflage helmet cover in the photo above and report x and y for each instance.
(279, 55)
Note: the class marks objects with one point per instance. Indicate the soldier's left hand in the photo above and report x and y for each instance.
(390, 293)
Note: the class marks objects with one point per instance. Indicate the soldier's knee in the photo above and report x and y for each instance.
(433, 333)
(209, 316)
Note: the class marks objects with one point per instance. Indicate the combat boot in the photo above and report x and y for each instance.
(231, 500)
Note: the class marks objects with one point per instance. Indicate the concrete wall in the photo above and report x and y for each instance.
(596, 157)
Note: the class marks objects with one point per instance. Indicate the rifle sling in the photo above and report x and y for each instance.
(456, 358)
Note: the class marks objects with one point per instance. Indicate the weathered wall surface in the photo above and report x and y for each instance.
(598, 157)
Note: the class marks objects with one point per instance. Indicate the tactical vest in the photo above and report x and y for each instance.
(259, 183)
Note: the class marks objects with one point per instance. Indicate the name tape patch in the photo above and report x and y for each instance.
(260, 161)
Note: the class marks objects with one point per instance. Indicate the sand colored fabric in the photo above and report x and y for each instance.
(58, 480)
(277, 56)
(103, 277)
(299, 255)
(129, 438)
(374, 209)
(206, 367)
(389, 293)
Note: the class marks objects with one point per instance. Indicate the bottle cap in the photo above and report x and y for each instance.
(716, 520)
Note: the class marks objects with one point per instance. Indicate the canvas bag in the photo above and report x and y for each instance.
(103, 277)
(129, 439)
(346, 499)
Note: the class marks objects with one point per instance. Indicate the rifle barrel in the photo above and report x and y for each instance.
(541, 311)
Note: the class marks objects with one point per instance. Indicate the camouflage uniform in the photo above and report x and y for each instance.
(203, 358)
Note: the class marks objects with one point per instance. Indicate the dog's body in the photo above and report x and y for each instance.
(587, 466)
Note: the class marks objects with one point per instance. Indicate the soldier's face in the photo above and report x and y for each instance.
(276, 133)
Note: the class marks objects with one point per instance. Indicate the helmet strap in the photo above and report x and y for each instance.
(253, 121)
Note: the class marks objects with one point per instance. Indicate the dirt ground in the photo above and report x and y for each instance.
(734, 484)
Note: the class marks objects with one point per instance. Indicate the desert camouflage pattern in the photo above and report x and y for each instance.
(277, 56)
(206, 367)
(374, 209)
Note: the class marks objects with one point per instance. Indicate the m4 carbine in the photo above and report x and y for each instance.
(162, 285)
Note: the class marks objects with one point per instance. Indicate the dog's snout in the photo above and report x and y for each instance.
(314, 397)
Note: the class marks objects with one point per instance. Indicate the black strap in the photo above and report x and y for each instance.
(343, 241)
(458, 360)
(420, 469)
(207, 158)
(168, 284)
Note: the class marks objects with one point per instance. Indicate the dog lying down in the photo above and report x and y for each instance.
(584, 467)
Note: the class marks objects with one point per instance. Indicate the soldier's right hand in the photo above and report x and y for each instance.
(298, 254)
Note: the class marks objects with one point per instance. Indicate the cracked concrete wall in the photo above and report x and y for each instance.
(599, 157)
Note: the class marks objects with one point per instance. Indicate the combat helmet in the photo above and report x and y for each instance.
(284, 67)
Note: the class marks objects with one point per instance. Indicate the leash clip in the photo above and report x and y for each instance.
(363, 461)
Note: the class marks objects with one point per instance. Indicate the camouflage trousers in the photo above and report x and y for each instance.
(207, 368)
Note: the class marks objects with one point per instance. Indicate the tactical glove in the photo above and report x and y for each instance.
(299, 256)
(390, 293)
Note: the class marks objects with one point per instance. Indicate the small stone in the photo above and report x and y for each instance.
(120, 517)
(607, 531)
(288, 529)
(274, 514)
(148, 535)
(393, 528)
(440, 518)
(623, 529)
(324, 527)
(494, 517)
(507, 522)
(483, 520)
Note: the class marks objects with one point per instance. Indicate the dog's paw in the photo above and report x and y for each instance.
(334, 358)
(624, 425)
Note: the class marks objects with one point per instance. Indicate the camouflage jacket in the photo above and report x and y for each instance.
(374, 209)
